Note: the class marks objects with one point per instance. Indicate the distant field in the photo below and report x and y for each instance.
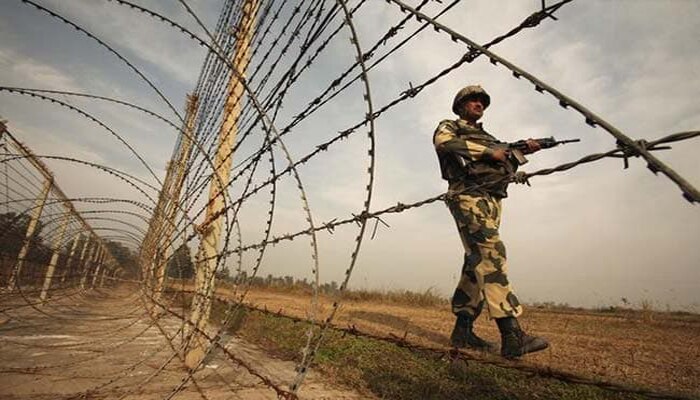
(644, 349)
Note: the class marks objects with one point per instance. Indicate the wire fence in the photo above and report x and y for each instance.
(48, 245)
(269, 75)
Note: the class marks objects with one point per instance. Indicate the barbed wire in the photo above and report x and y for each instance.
(285, 46)
(689, 192)
(451, 354)
(619, 152)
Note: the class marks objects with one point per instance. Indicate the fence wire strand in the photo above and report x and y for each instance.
(117, 271)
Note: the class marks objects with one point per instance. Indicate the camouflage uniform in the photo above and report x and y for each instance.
(476, 187)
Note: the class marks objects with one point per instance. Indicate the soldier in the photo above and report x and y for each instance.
(477, 166)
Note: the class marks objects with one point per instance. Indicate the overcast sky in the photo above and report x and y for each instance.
(588, 237)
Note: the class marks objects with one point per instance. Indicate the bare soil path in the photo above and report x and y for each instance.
(103, 345)
(658, 351)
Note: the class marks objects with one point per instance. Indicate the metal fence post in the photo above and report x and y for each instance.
(99, 261)
(211, 228)
(54, 258)
(35, 215)
(73, 247)
(88, 265)
(170, 209)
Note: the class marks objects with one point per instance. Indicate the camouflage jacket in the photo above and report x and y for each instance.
(465, 155)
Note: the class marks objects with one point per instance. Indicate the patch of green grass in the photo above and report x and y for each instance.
(392, 372)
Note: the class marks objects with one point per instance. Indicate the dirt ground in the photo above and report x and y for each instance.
(659, 351)
(103, 345)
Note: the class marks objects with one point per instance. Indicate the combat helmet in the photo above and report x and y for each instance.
(470, 91)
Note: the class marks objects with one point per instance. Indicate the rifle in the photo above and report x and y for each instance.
(516, 149)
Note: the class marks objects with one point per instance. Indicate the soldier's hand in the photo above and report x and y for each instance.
(500, 154)
(532, 146)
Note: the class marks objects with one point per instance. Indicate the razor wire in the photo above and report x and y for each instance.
(309, 28)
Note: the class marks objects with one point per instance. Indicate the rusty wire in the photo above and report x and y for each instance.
(451, 354)
(309, 26)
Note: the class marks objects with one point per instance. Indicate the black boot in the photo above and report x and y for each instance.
(463, 336)
(515, 342)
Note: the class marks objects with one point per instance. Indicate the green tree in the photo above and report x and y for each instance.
(13, 228)
(126, 258)
(180, 265)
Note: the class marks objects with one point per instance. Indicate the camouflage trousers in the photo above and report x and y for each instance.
(484, 278)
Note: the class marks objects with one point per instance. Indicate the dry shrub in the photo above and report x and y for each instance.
(427, 298)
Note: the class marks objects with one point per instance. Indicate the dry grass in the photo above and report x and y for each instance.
(644, 347)
(391, 372)
(427, 298)
(658, 350)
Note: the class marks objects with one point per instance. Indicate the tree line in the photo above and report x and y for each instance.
(13, 229)
(181, 266)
